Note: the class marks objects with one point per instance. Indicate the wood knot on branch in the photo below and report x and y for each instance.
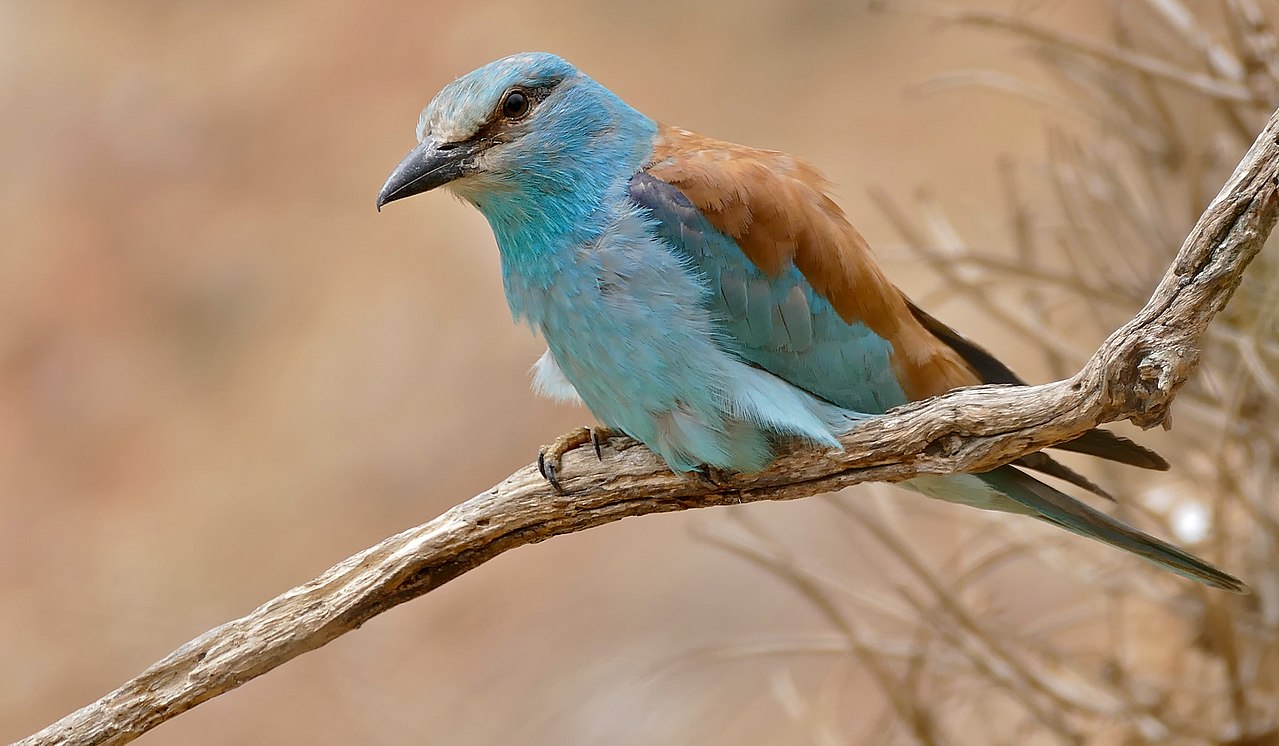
(946, 446)
(1159, 372)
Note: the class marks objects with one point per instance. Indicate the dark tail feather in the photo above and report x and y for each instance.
(1045, 464)
(1062, 510)
(1107, 445)
(1099, 443)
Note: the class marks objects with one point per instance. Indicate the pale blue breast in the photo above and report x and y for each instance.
(628, 323)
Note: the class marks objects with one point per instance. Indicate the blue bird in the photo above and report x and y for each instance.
(708, 299)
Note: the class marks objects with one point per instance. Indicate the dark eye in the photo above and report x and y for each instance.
(515, 104)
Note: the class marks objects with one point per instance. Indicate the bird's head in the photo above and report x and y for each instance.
(520, 135)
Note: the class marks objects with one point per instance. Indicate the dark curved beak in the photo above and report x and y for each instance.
(426, 167)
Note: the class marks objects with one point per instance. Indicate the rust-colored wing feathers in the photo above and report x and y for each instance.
(776, 207)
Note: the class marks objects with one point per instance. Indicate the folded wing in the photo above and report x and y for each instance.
(799, 293)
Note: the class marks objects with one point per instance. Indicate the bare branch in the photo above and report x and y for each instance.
(1134, 375)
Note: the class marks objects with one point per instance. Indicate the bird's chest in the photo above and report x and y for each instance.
(623, 317)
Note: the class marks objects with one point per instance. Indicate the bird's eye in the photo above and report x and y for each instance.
(515, 104)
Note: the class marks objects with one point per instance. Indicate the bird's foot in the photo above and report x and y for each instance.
(711, 476)
(549, 457)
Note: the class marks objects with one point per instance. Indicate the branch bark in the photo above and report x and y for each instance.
(1134, 375)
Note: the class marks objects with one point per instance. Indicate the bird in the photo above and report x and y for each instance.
(711, 300)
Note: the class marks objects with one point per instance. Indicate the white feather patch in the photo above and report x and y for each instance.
(549, 380)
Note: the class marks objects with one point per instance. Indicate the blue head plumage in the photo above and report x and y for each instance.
(533, 143)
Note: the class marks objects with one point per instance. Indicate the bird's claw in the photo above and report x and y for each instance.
(547, 469)
(595, 441)
(711, 476)
(549, 457)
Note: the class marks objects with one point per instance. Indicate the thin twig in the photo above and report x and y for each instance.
(1211, 86)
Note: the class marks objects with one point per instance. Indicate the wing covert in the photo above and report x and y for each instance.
(799, 294)
(795, 283)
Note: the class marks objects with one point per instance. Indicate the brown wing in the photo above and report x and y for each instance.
(776, 208)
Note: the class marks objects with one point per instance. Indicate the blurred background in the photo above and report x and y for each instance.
(221, 371)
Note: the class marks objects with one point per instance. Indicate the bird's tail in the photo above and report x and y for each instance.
(1062, 510)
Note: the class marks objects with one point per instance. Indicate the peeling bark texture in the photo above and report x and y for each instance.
(1134, 375)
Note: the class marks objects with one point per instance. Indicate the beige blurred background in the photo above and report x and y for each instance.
(221, 371)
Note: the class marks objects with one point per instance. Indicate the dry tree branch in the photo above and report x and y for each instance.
(1134, 375)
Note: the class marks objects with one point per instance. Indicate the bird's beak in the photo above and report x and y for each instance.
(426, 167)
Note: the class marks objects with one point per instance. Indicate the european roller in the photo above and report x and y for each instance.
(711, 300)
